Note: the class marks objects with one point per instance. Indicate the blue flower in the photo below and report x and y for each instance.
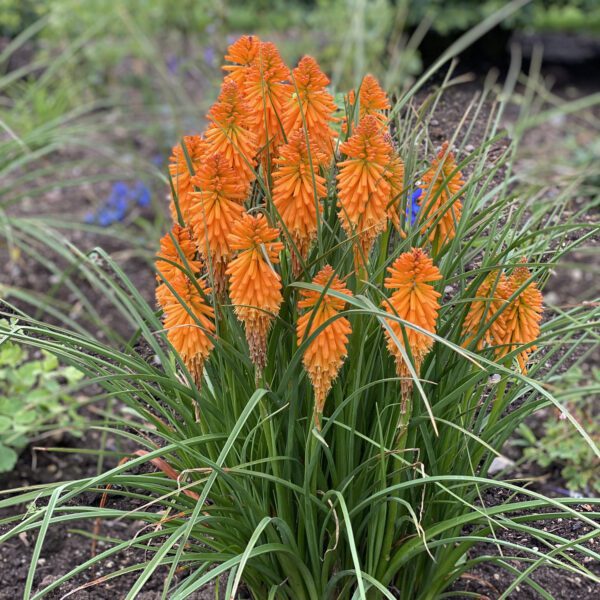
(413, 210)
(116, 206)
(142, 194)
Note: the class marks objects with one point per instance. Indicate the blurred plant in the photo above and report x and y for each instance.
(559, 15)
(558, 446)
(33, 402)
(117, 206)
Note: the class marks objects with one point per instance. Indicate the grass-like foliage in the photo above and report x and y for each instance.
(330, 394)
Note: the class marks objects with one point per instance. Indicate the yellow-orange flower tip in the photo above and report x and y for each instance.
(491, 295)
(267, 93)
(442, 183)
(296, 180)
(228, 132)
(311, 106)
(324, 356)
(522, 316)
(196, 149)
(373, 100)
(189, 335)
(214, 211)
(254, 285)
(169, 253)
(242, 53)
(415, 301)
(364, 192)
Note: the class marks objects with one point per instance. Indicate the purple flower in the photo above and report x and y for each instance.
(209, 55)
(413, 210)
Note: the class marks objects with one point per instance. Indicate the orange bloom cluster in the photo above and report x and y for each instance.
(190, 334)
(441, 185)
(243, 54)
(179, 170)
(364, 189)
(311, 105)
(522, 317)
(416, 301)
(297, 192)
(214, 211)
(229, 133)
(169, 253)
(325, 354)
(492, 295)
(255, 286)
(519, 322)
(267, 93)
(278, 126)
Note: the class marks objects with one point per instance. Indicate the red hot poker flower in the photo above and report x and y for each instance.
(324, 356)
(228, 132)
(295, 182)
(363, 190)
(254, 285)
(311, 106)
(416, 301)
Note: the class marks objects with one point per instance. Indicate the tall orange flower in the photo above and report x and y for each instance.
(522, 317)
(179, 169)
(492, 295)
(242, 53)
(441, 184)
(373, 100)
(311, 105)
(214, 211)
(394, 175)
(267, 93)
(416, 301)
(325, 354)
(189, 335)
(228, 132)
(169, 253)
(254, 286)
(364, 192)
(295, 182)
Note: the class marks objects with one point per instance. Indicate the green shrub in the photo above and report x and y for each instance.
(33, 400)
(380, 501)
(558, 446)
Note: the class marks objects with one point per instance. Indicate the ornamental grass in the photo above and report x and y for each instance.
(349, 327)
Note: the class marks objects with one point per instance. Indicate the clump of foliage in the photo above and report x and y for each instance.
(338, 358)
(33, 400)
(558, 446)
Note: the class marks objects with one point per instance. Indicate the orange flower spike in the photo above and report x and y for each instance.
(416, 301)
(373, 100)
(522, 317)
(214, 211)
(295, 183)
(242, 53)
(394, 175)
(254, 286)
(179, 171)
(493, 294)
(364, 192)
(325, 354)
(191, 337)
(439, 186)
(169, 252)
(311, 105)
(228, 132)
(267, 94)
